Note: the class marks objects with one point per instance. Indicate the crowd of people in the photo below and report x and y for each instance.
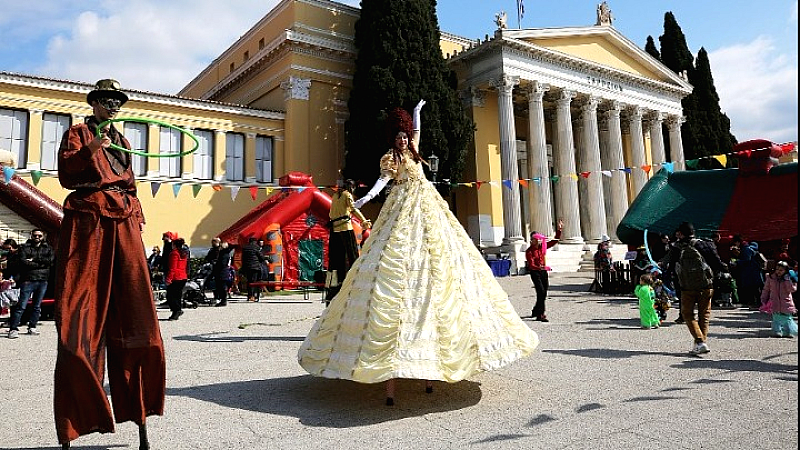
(690, 271)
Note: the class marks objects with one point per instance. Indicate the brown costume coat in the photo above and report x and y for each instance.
(104, 305)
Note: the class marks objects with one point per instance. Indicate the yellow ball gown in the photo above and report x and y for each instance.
(420, 302)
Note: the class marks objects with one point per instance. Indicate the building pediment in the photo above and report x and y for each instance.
(600, 45)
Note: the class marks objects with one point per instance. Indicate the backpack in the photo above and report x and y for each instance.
(694, 274)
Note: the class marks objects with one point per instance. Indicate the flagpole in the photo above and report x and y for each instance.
(519, 15)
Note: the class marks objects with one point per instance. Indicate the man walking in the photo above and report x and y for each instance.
(35, 260)
(696, 263)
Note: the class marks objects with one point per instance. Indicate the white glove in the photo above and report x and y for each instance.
(416, 118)
(379, 185)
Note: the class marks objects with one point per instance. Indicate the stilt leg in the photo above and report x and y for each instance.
(390, 392)
(144, 444)
(428, 386)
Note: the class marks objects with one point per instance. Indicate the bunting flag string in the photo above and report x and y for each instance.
(722, 159)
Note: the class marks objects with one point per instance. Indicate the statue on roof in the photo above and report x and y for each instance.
(501, 19)
(604, 17)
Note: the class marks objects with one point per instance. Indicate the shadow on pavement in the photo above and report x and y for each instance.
(320, 402)
(739, 365)
(94, 447)
(610, 353)
(219, 338)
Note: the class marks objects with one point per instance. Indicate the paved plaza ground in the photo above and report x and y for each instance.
(597, 381)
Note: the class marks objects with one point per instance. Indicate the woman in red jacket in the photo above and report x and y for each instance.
(177, 277)
(537, 268)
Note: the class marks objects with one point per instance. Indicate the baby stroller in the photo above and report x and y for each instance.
(194, 293)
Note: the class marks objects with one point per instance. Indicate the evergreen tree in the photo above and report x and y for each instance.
(706, 131)
(709, 128)
(650, 47)
(400, 62)
(675, 53)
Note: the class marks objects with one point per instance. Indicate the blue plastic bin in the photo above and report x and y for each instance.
(500, 267)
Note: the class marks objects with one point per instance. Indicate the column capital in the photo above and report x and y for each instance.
(565, 98)
(536, 91)
(656, 116)
(634, 112)
(674, 122)
(590, 104)
(36, 111)
(251, 135)
(296, 88)
(505, 83)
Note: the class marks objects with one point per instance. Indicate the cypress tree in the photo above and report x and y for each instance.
(675, 53)
(400, 62)
(709, 126)
(706, 131)
(650, 47)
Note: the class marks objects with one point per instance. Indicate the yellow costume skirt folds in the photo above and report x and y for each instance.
(419, 303)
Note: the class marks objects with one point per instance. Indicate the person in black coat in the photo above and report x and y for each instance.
(36, 258)
(252, 260)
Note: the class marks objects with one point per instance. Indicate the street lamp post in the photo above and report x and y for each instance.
(433, 163)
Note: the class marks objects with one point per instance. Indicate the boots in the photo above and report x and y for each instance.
(223, 302)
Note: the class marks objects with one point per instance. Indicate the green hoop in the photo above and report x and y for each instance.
(155, 122)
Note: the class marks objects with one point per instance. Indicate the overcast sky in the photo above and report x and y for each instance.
(159, 46)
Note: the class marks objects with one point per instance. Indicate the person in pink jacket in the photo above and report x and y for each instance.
(776, 298)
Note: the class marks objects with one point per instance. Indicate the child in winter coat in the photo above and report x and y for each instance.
(647, 313)
(776, 298)
(663, 298)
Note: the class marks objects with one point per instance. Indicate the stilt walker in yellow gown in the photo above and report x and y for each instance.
(420, 302)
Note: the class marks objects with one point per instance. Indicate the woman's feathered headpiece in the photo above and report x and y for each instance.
(398, 120)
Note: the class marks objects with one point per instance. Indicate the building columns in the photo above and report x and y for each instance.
(593, 215)
(512, 220)
(655, 122)
(564, 166)
(541, 212)
(617, 203)
(638, 175)
(676, 142)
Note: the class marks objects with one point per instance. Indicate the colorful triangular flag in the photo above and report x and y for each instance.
(196, 189)
(523, 183)
(723, 160)
(478, 184)
(585, 174)
(8, 172)
(36, 175)
(216, 187)
(555, 178)
(607, 173)
(176, 188)
(253, 192)
(669, 166)
(154, 187)
(693, 163)
(234, 192)
(507, 183)
(647, 168)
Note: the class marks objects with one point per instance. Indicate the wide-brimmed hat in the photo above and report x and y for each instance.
(106, 88)
(605, 238)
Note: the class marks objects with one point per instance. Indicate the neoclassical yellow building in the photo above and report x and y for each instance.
(575, 113)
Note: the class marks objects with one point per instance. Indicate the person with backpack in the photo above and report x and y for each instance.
(696, 263)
